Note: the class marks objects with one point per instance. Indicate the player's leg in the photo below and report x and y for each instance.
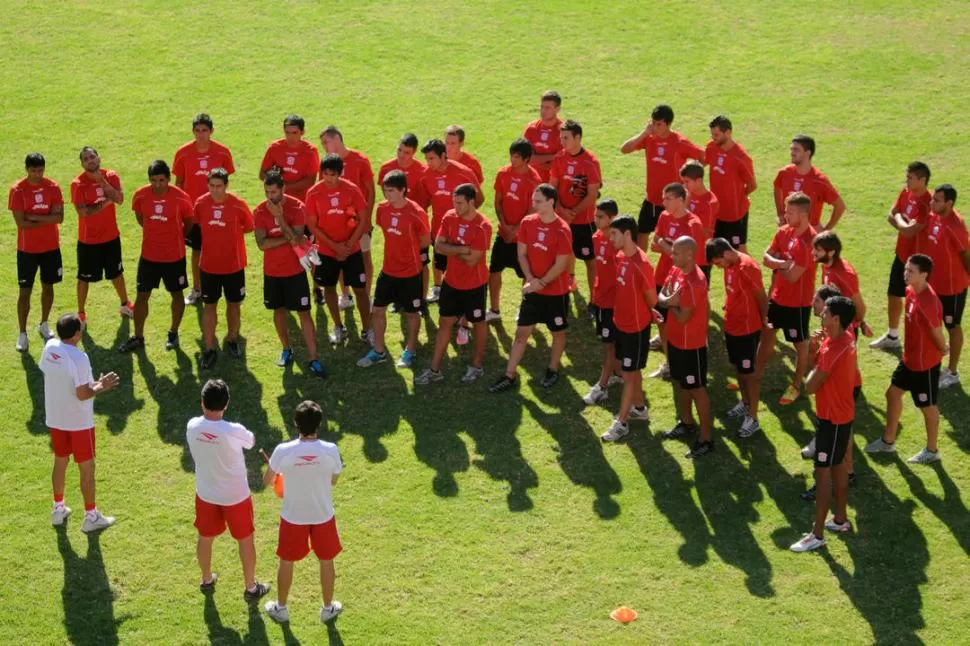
(280, 316)
(413, 323)
(141, 312)
(702, 402)
(233, 321)
(328, 576)
(894, 409)
(59, 476)
(284, 579)
(445, 325)
(46, 301)
(558, 347)
(210, 317)
(363, 307)
(86, 471)
(517, 351)
(309, 333)
(203, 554)
(119, 284)
(82, 295)
(178, 309)
(481, 339)
(840, 485)
(196, 270)
(766, 349)
(590, 277)
(23, 306)
(495, 291)
(931, 417)
(823, 498)
(801, 363)
(247, 555)
(379, 320)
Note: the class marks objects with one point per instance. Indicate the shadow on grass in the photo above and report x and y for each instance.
(120, 403)
(221, 635)
(34, 382)
(177, 400)
(954, 406)
(950, 509)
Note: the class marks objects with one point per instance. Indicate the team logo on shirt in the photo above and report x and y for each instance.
(217, 214)
(203, 163)
(308, 458)
(100, 193)
(672, 232)
(38, 198)
(334, 201)
(542, 236)
(570, 169)
(797, 185)
(54, 356)
(291, 160)
(159, 208)
(660, 150)
(544, 136)
(441, 183)
(208, 438)
(393, 221)
(514, 186)
(720, 160)
(909, 209)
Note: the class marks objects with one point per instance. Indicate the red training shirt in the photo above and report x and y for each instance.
(924, 313)
(693, 293)
(39, 199)
(947, 241)
(916, 209)
(664, 157)
(162, 222)
(730, 171)
(634, 276)
(437, 190)
(545, 242)
(403, 228)
(516, 191)
(414, 173)
(789, 245)
(813, 184)
(336, 211)
(842, 275)
(742, 281)
(192, 166)
(297, 162)
(670, 227)
(837, 357)
(471, 162)
(281, 262)
(545, 140)
(572, 175)
(223, 226)
(103, 225)
(357, 169)
(705, 206)
(476, 234)
(604, 284)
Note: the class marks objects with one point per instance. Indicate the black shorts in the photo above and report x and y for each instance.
(923, 386)
(542, 308)
(953, 309)
(605, 329)
(792, 321)
(49, 263)
(193, 239)
(469, 303)
(151, 274)
(291, 292)
(897, 282)
(97, 260)
(405, 293)
(649, 214)
(583, 240)
(734, 232)
(328, 271)
(505, 255)
(440, 261)
(831, 442)
(632, 349)
(425, 256)
(688, 367)
(214, 285)
(743, 350)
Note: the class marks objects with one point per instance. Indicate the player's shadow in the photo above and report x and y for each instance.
(122, 402)
(367, 402)
(223, 635)
(177, 400)
(34, 383)
(87, 597)
(950, 509)
(431, 413)
(954, 404)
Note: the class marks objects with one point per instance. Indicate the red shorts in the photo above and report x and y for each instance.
(211, 519)
(80, 444)
(295, 541)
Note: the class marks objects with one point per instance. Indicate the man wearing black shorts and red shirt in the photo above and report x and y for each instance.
(545, 253)
(732, 181)
(604, 299)
(514, 186)
(636, 295)
(225, 219)
(94, 193)
(745, 310)
(279, 222)
(792, 290)
(38, 208)
(832, 381)
(164, 213)
(406, 240)
(464, 238)
(919, 369)
(665, 151)
(684, 295)
(801, 176)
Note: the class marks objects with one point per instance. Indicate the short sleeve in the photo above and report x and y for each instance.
(826, 359)
(244, 436)
(81, 370)
(688, 294)
(15, 199)
(185, 208)
(803, 256)
(751, 275)
(714, 206)
(497, 184)
(76, 193)
(745, 169)
(267, 162)
(229, 165)
(358, 198)
(311, 205)
(595, 175)
(779, 179)
(960, 237)
(483, 238)
(642, 144)
(314, 162)
(299, 217)
(115, 180)
(276, 460)
(178, 165)
(565, 247)
(933, 314)
(247, 216)
(421, 227)
(776, 242)
(829, 194)
(57, 198)
(338, 465)
(689, 149)
(649, 280)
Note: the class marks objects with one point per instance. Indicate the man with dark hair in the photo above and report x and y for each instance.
(701, 202)
(69, 392)
(225, 219)
(293, 157)
(191, 167)
(310, 468)
(38, 208)
(909, 215)
(665, 151)
(801, 176)
(164, 213)
(514, 186)
(604, 301)
(455, 146)
(543, 134)
(94, 193)
(832, 381)
(222, 496)
(919, 369)
(949, 249)
(836, 270)
(732, 181)
(463, 238)
(413, 170)
(545, 251)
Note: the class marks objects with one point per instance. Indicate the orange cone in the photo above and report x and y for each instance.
(624, 615)
(278, 485)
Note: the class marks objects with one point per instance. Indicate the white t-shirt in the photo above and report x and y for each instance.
(66, 368)
(220, 468)
(307, 468)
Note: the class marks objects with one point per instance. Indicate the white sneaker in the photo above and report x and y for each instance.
(663, 372)
(463, 336)
(279, 614)
(193, 297)
(879, 445)
(338, 334)
(346, 302)
(616, 431)
(841, 528)
(740, 410)
(45, 333)
(885, 342)
(925, 456)
(749, 427)
(434, 294)
(96, 522)
(808, 543)
(614, 380)
(328, 614)
(22, 342)
(491, 316)
(60, 514)
(127, 310)
(808, 451)
(655, 343)
(369, 336)
(948, 378)
(595, 395)
(472, 374)
(642, 415)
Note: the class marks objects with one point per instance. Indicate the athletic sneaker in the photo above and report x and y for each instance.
(595, 395)
(434, 294)
(329, 613)
(679, 431)
(279, 614)
(655, 343)
(842, 528)
(133, 343)
(491, 316)
(45, 333)
(739, 410)
(286, 358)
(257, 592)
(317, 368)
(948, 378)
(639, 414)
(59, 514)
(345, 302)
(95, 522)
(879, 445)
(371, 358)
(193, 297)
(472, 374)
(885, 342)
(406, 360)
(550, 379)
(699, 449)
(807, 543)
(808, 494)
(208, 587)
(616, 431)
(234, 349)
(504, 383)
(338, 334)
(925, 456)
(368, 337)
(808, 451)
(463, 335)
(662, 372)
(749, 427)
(789, 396)
(208, 359)
(127, 310)
(22, 342)
(429, 376)
(614, 380)
(173, 340)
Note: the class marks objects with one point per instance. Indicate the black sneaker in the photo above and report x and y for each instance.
(504, 383)
(132, 344)
(679, 431)
(208, 359)
(234, 349)
(261, 589)
(550, 379)
(173, 340)
(208, 587)
(808, 495)
(699, 449)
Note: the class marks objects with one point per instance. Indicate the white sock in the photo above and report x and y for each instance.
(893, 332)
(92, 514)
(59, 505)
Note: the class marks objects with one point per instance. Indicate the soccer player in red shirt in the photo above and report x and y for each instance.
(732, 181)
(909, 215)
(745, 309)
(454, 145)
(164, 213)
(94, 193)
(801, 176)
(225, 219)
(832, 381)
(949, 249)
(636, 295)
(464, 238)
(919, 369)
(38, 208)
(279, 223)
(604, 299)
(336, 216)
(545, 251)
(407, 236)
(701, 202)
(792, 290)
(577, 177)
(191, 167)
(514, 186)
(543, 134)
(836, 270)
(295, 158)
(665, 151)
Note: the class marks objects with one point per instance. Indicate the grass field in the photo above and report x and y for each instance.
(468, 517)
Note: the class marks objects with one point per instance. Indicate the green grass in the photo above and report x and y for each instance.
(467, 517)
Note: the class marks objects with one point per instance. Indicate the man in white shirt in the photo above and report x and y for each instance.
(222, 495)
(69, 392)
(310, 467)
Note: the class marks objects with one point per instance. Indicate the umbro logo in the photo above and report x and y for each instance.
(308, 458)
